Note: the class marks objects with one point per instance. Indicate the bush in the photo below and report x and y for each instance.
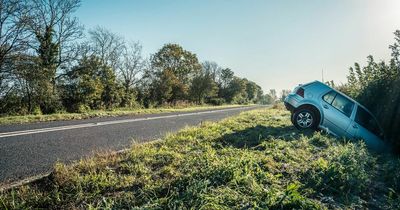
(12, 104)
(37, 111)
(217, 101)
(377, 86)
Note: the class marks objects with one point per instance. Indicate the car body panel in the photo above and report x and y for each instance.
(370, 138)
(336, 117)
(335, 121)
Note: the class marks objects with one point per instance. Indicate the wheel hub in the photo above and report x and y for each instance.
(304, 119)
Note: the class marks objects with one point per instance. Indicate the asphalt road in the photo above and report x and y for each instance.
(31, 149)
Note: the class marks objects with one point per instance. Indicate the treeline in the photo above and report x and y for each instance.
(49, 63)
(377, 86)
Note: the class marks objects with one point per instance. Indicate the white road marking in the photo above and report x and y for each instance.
(86, 125)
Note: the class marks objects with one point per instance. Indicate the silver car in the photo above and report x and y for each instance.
(317, 106)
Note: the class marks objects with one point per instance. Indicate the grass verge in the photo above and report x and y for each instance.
(256, 160)
(102, 113)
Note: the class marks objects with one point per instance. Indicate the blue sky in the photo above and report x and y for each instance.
(277, 44)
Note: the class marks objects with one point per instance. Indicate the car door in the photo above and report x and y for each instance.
(337, 112)
(366, 127)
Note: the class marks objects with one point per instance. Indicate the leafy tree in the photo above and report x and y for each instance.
(111, 95)
(179, 66)
(47, 66)
(203, 87)
(260, 94)
(91, 85)
(227, 76)
(252, 90)
(145, 88)
(84, 88)
(236, 91)
(266, 99)
(395, 48)
(180, 62)
(163, 87)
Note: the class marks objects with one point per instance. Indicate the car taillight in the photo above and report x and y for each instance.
(300, 92)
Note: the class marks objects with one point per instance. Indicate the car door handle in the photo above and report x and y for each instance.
(355, 126)
(326, 106)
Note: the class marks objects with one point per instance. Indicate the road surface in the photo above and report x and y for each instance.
(30, 149)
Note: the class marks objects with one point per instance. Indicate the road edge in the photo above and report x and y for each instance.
(28, 180)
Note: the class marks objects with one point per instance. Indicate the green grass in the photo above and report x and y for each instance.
(256, 160)
(102, 113)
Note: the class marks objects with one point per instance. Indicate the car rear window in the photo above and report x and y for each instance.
(328, 98)
(366, 120)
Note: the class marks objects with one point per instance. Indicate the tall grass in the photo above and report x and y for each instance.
(253, 161)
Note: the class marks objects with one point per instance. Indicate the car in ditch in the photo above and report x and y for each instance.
(316, 105)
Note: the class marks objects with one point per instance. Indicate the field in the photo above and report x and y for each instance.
(256, 160)
(104, 113)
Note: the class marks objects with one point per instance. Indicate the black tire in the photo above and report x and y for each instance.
(292, 118)
(305, 118)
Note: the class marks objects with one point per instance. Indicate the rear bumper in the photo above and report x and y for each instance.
(289, 106)
(291, 102)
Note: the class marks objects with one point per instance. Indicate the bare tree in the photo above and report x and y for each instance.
(213, 69)
(53, 32)
(107, 45)
(132, 63)
(12, 23)
(25, 78)
(55, 29)
(131, 66)
(12, 40)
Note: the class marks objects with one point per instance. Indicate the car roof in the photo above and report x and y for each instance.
(327, 87)
(316, 82)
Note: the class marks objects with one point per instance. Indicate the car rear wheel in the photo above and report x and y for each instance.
(304, 119)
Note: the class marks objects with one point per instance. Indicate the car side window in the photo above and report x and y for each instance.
(366, 120)
(343, 104)
(328, 98)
